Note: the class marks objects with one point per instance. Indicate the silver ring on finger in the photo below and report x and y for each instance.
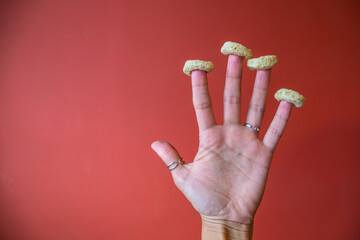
(255, 128)
(171, 166)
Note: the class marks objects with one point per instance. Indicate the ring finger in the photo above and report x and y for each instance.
(258, 99)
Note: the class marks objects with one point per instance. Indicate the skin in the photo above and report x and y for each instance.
(226, 180)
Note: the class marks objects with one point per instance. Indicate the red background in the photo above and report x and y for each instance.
(87, 86)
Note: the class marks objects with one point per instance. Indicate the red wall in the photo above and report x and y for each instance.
(87, 86)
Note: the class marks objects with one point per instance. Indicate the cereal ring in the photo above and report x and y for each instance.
(191, 65)
(290, 96)
(237, 49)
(264, 62)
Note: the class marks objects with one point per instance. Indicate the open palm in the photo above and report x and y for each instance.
(226, 180)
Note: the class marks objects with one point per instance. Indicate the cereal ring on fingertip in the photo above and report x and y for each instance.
(191, 65)
(264, 62)
(237, 49)
(291, 96)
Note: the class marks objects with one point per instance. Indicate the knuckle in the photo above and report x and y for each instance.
(232, 99)
(199, 84)
(233, 77)
(275, 131)
(167, 152)
(260, 89)
(202, 105)
(257, 108)
(281, 117)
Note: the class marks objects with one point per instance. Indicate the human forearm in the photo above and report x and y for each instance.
(225, 230)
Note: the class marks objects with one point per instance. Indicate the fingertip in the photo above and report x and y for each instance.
(234, 66)
(198, 78)
(198, 73)
(285, 106)
(285, 103)
(155, 145)
(165, 151)
(263, 78)
(233, 58)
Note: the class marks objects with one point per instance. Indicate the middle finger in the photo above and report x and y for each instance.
(232, 92)
(258, 98)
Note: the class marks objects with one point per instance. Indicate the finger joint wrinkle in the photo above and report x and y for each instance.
(232, 99)
(202, 105)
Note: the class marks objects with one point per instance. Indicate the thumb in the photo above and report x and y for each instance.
(169, 155)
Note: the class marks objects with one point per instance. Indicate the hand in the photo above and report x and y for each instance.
(227, 178)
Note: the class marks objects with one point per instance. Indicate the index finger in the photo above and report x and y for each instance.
(201, 100)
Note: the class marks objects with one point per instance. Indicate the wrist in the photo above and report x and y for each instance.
(225, 230)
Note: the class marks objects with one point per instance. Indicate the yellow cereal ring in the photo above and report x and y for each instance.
(264, 62)
(191, 65)
(237, 49)
(291, 96)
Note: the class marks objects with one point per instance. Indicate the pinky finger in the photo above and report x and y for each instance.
(277, 126)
